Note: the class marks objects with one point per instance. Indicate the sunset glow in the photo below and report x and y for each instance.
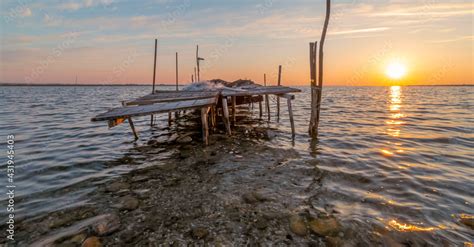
(110, 41)
(396, 70)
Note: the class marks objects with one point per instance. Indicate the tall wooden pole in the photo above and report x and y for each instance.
(154, 76)
(313, 127)
(176, 71)
(197, 63)
(317, 104)
(278, 98)
(267, 101)
(195, 74)
(154, 67)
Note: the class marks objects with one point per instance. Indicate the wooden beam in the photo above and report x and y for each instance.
(321, 67)
(313, 127)
(290, 112)
(154, 76)
(286, 96)
(278, 99)
(205, 125)
(267, 100)
(234, 100)
(132, 126)
(225, 110)
(154, 67)
(176, 71)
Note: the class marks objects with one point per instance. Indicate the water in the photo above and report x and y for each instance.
(395, 157)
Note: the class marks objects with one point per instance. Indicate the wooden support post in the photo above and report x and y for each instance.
(278, 99)
(267, 101)
(154, 67)
(132, 126)
(176, 114)
(225, 111)
(234, 102)
(192, 78)
(176, 71)
(260, 109)
(169, 119)
(154, 76)
(290, 112)
(195, 75)
(197, 61)
(205, 126)
(213, 117)
(313, 122)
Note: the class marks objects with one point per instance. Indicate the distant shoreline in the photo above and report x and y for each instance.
(168, 85)
(81, 85)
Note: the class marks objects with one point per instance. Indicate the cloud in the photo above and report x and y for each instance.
(73, 6)
(462, 38)
(25, 12)
(364, 30)
(70, 6)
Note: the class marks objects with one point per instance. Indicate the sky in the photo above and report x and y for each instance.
(112, 41)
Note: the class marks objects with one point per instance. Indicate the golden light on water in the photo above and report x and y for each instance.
(403, 227)
(395, 119)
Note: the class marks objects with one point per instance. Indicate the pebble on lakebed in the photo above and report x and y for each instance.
(117, 186)
(199, 232)
(129, 203)
(324, 226)
(329, 226)
(92, 242)
(298, 225)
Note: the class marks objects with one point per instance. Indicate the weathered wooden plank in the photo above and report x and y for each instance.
(261, 91)
(225, 112)
(129, 111)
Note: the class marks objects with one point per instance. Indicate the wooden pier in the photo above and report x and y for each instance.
(209, 102)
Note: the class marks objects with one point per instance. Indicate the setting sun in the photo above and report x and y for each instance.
(396, 70)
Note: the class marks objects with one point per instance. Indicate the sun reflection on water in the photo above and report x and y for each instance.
(403, 227)
(395, 120)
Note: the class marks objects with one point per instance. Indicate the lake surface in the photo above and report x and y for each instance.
(396, 157)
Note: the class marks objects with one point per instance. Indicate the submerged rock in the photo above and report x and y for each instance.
(92, 242)
(199, 232)
(99, 225)
(107, 224)
(254, 197)
(185, 139)
(324, 226)
(297, 225)
(468, 221)
(117, 186)
(129, 203)
(78, 239)
(261, 223)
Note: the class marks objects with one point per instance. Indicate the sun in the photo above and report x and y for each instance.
(396, 70)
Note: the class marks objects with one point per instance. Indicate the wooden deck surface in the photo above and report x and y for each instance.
(143, 110)
(259, 90)
(170, 96)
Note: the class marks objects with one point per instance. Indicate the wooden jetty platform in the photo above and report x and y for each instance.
(210, 102)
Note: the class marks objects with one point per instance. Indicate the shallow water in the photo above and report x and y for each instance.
(396, 158)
